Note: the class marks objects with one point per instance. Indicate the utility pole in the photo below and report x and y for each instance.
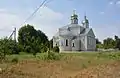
(15, 34)
(15, 44)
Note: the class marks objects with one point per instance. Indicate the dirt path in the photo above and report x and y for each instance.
(36, 69)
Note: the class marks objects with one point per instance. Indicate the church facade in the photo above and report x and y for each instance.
(75, 37)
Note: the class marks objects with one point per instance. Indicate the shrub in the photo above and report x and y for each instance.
(89, 61)
(44, 49)
(51, 56)
(56, 49)
(34, 54)
(84, 66)
(15, 60)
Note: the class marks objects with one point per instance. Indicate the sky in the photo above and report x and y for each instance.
(103, 15)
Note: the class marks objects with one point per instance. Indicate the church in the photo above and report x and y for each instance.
(75, 37)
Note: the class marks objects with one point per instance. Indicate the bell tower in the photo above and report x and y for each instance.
(74, 18)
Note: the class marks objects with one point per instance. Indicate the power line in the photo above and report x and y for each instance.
(48, 2)
(43, 3)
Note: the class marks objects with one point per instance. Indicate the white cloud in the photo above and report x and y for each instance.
(104, 31)
(111, 3)
(102, 12)
(45, 19)
(118, 2)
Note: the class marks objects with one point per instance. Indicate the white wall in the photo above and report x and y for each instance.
(91, 44)
(83, 47)
(76, 46)
(64, 47)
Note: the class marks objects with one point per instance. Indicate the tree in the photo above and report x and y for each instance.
(99, 46)
(109, 43)
(97, 41)
(8, 47)
(51, 44)
(31, 39)
(117, 42)
(116, 37)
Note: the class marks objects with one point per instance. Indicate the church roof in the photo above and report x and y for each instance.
(70, 25)
(85, 31)
(57, 34)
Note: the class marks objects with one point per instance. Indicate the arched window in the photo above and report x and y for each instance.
(66, 42)
(73, 45)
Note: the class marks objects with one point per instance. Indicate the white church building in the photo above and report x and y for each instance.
(75, 37)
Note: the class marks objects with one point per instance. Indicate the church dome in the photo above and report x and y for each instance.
(86, 21)
(74, 15)
(83, 21)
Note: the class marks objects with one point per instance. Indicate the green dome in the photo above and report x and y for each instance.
(86, 21)
(74, 16)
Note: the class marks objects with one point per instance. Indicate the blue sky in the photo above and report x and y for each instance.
(104, 15)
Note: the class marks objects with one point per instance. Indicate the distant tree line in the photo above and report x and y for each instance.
(109, 43)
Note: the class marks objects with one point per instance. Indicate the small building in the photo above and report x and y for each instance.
(75, 37)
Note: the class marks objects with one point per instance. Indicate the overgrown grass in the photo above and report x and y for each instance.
(65, 56)
(74, 60)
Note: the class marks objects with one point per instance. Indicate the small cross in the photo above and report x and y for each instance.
(74, 11)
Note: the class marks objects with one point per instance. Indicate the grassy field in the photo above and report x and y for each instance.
(69, 65)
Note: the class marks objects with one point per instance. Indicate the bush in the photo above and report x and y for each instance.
(15, 60)
(56, 49)
(51, 56)
(84, 66)
(34, 54)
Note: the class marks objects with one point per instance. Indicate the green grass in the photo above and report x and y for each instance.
(68, 63)
(65, 56)
(82, 60)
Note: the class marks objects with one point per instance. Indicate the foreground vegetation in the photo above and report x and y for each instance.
(64, 64)
(85, 58)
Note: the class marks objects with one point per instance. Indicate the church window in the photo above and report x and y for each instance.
(73, 45)
(68, 28)
(61, 43)
(66, 42)
(89, 41)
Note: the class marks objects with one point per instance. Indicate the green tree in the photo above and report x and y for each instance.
(117, 42)
(97, 41)
(99, 46)
(7, 47)
(51, 44)
(109, 43)
(31, 39)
